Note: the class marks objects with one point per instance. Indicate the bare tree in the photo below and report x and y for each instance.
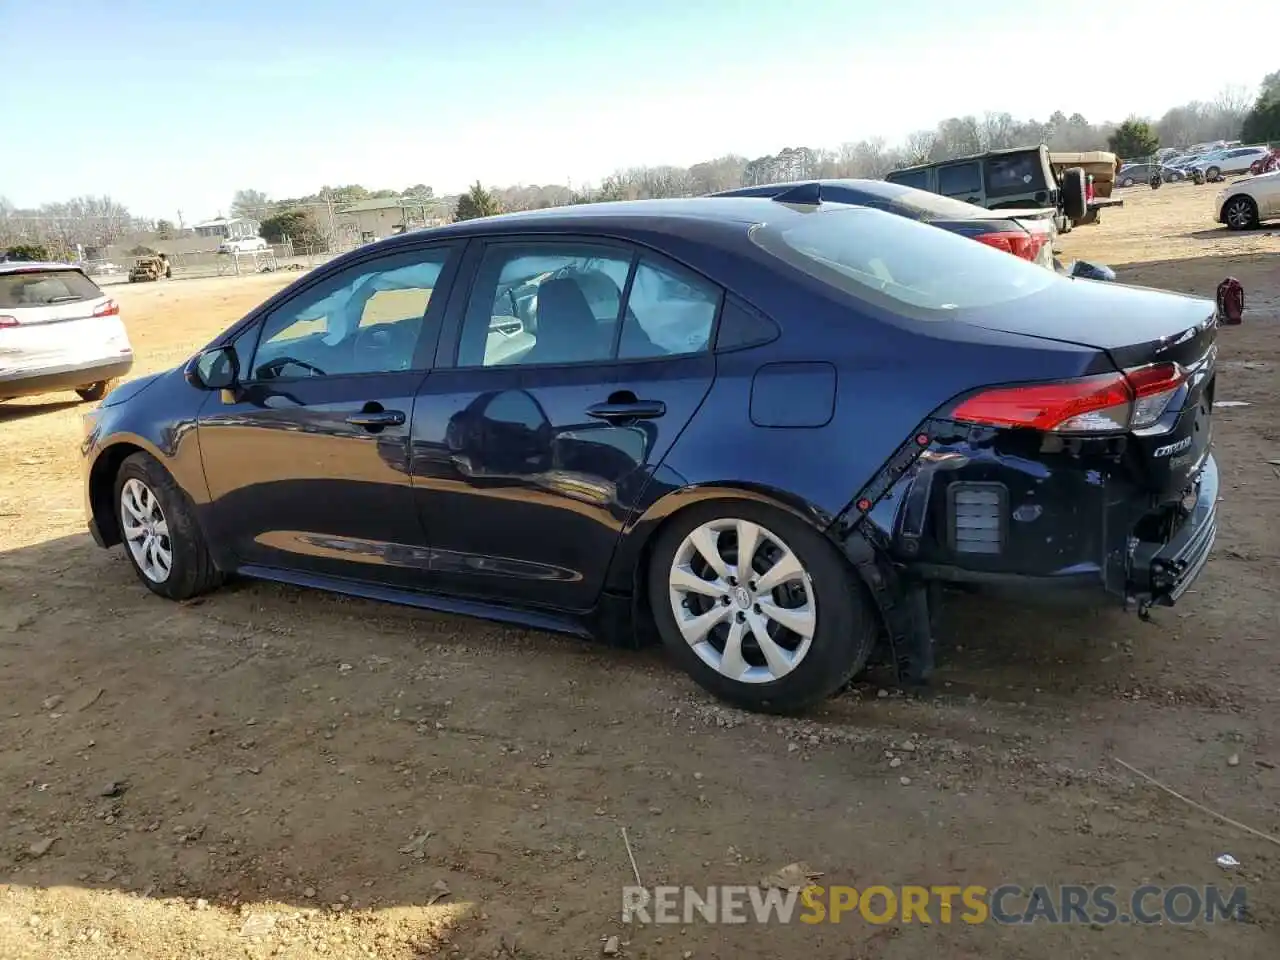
(920, 145)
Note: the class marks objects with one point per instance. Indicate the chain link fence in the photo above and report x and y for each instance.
(210, 263)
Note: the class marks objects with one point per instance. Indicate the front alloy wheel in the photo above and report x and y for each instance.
(145, 531)
(158, 526)
(758, 606)
(1241, 214)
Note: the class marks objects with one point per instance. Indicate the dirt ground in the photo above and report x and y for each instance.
(357, 780)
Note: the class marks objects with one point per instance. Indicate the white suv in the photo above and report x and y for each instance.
(58, 331)
(1246, 203)
(242, 245)
(1222, 163)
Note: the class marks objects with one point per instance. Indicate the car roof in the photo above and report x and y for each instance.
(677, 216)
(876, 188)
(34, 266)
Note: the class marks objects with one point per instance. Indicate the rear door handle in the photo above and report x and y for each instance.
(377, 419)
(634, 410)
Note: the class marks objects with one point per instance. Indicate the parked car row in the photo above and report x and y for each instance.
(1133, 173)
(763, 427)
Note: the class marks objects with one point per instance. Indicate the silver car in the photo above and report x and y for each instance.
(58, 331)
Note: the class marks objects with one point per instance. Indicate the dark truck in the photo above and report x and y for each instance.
(1017, 177)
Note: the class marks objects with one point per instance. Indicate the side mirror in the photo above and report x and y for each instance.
(215, 369)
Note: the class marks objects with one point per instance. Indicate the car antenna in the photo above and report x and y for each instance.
(801, 193)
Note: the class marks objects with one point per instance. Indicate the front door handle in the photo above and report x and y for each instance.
(377, 419)
(633, 410)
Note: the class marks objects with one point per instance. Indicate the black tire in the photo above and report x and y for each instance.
(1074, 202)
(845, 630)
(1212, 174)
(93, 392)
(1240, 213)
(192, 571)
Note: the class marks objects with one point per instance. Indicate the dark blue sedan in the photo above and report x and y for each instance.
(758, 430)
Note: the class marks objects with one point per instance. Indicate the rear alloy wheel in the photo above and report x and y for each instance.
(1212, 174)
(1240, 213)
(758, 607)
(160, 533)
(93, 392)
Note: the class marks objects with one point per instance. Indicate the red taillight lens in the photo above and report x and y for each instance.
(1020, 244)
(8, 322)
(1153, 387)
(1108, 403)
(108, 309)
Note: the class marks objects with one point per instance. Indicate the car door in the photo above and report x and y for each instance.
(574, 367)
(307, 458)
(962, 181)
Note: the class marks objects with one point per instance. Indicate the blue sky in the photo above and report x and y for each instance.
(168, 107)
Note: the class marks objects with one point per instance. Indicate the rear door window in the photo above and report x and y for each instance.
(45, 288)
(906, 267)
(1014, 174)
(959, 180)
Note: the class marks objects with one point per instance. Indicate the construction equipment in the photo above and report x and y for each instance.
(150, 267)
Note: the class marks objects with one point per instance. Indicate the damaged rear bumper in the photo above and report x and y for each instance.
(950, 510)
(1161, 573)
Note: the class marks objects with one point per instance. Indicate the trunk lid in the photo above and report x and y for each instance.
(1133, 325)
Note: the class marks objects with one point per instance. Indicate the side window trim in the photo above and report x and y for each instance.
(425, 346)
(624, 304)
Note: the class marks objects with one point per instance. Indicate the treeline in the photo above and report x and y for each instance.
(95, 222)
(88, 223)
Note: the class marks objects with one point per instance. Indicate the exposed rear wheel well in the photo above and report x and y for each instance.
(102, 483)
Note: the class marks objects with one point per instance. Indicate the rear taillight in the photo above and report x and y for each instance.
(108, 309)
(1018, 242)
(1153, 387)
(8, 322)
(1108, 403)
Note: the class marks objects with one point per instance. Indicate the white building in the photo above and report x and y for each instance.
(227, 228)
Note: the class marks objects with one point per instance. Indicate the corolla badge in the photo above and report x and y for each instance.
(1169, 449)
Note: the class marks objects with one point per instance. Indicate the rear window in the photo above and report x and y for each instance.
(933, 206)
(1014, 173)
(45, 288)
(906, 267)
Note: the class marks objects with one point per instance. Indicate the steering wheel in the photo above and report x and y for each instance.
(273, 368)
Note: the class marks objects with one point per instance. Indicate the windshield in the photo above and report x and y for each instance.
(44, 288)
(907, 267)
